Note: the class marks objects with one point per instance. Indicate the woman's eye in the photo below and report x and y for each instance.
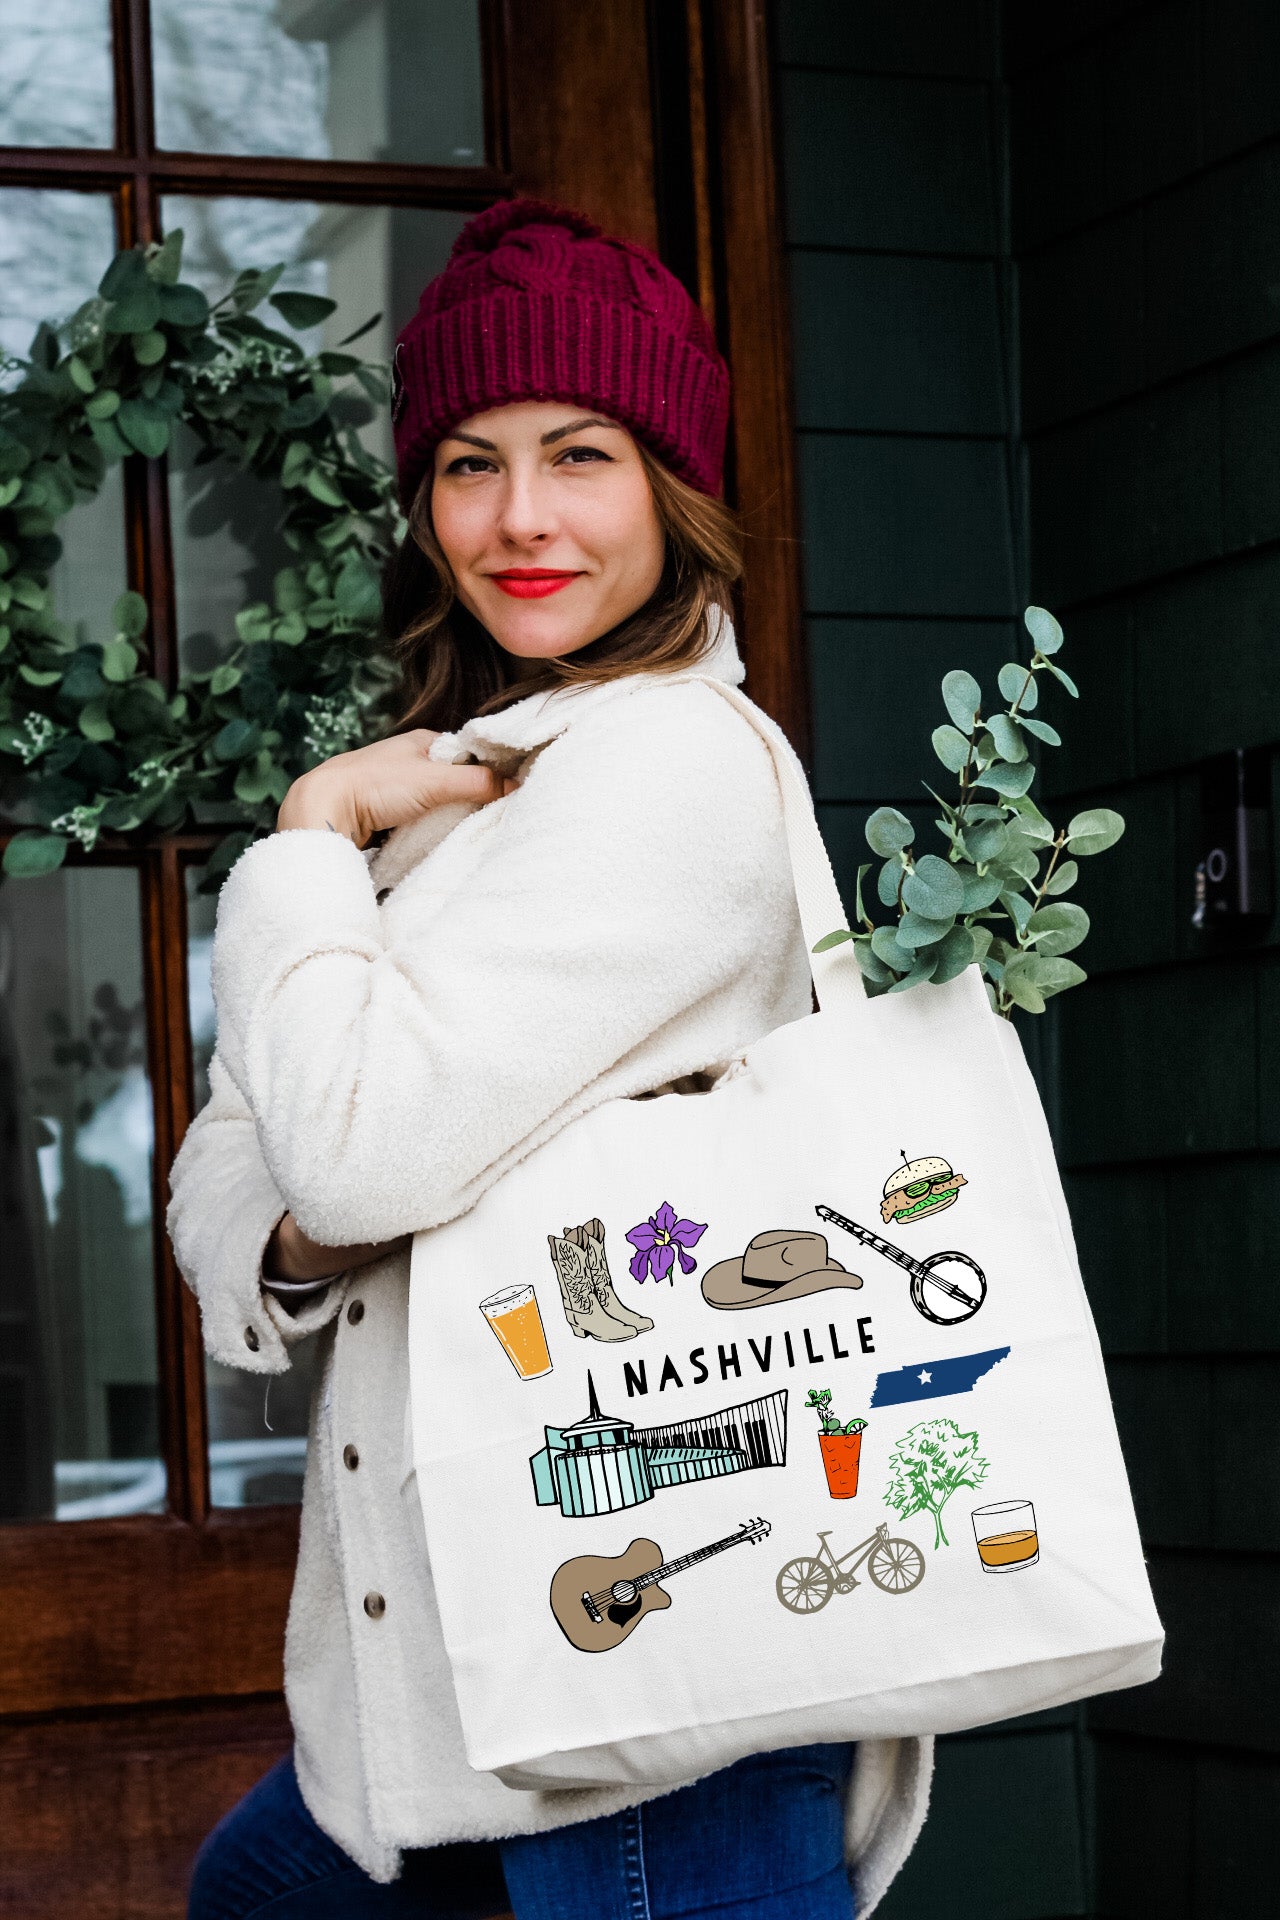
(587, 453)
(470, 463)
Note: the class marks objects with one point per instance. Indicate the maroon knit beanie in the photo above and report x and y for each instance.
(537, 303)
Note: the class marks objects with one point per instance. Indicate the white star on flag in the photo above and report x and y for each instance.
(925, 1376)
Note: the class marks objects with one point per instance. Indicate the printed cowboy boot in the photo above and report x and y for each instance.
(581, 1308)
(590, 1238)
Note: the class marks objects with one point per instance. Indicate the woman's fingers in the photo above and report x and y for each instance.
(466, 783)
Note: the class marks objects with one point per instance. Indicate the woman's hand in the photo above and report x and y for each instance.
(290, 1255)
(385, 784)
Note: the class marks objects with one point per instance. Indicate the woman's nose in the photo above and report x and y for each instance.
(525, 515)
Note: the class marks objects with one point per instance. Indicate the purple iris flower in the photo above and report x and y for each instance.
(659, 1239)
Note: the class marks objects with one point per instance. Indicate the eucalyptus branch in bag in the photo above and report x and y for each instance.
(996, 897)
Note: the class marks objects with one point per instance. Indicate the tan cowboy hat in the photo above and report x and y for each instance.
(780, 1265)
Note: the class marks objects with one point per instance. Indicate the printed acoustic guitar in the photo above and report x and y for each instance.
(598, 1601)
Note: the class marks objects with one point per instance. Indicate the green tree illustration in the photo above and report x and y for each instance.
(929, 1464)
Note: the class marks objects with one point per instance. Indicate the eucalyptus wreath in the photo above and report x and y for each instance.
(89, 736)
(995, 897)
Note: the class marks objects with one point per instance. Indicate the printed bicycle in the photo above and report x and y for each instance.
(895, 1566)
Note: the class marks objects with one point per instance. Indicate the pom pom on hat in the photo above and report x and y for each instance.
(537, 302)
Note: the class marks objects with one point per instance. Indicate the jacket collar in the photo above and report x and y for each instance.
(530, 723)
(505, 739)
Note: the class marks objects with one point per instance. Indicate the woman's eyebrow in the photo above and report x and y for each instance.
(576, 426)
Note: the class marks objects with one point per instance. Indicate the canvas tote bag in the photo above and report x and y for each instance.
(840, 1462)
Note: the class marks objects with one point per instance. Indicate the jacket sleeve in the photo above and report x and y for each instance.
(638, 869)
(223, 1204)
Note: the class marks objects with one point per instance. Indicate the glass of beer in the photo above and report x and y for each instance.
(1006, 1536)
(513, 1315)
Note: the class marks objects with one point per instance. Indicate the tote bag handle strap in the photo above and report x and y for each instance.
(836, 976)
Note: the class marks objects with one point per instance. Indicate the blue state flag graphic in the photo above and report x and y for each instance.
(932, 1379)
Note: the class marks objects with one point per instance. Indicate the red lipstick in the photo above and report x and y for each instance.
(532, 583)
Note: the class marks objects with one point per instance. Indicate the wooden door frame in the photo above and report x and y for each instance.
(180, 1612)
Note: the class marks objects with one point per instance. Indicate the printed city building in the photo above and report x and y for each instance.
(603, 1464)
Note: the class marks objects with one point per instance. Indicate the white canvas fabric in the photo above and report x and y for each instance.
(747, 1593)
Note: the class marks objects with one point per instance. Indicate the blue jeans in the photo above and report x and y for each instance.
(761, 1840)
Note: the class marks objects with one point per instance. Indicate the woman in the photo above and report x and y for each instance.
(584, 895)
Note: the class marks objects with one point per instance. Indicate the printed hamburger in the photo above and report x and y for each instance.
(918, 1188)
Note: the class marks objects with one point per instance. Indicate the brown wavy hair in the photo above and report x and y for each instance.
(452, 668)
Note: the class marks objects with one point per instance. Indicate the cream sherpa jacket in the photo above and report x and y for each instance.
(396, 1027)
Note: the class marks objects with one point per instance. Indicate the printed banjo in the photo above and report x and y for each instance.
(966, 1285)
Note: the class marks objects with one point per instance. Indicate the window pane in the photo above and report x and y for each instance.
(54, 249)
(79, 1396)
(55, 246)
(226, 544)
(257, 1433)
(324, 79)
(55, 73)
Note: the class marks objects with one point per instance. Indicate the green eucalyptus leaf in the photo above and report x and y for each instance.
(1056, 976)
(1011, 781)
(962, 697)
(298, 462)
(183, 306)
(1094, 831)
(129, 615)
(1017, 683)
(885, 946)
(859, 910)
(289, 591)
(164, 263)
(236, 739)
(830, 940)
(95, 722)
(1058, 928)
(1063, 878)
(951, 747)
(103, 404)
(1030, 823)
(981, 937)
(322, 488)
(915, 931)
(955, 953)
(119, 659)
(987, 841)
(33, 852)
(924, 969)
(150, 348)
(303, 310)
(109, 439)
(254, 623)
(1043, 628)
(1018, 909)
(1010, 744)
(1065, 678)
(290, 629)
(126, 274)
(224, 678)
(366, 326)
(145, 426)
(872, 969)
(135, 312)
(254, 780)
(356, 590)
(888, 831)
(1042, 730)
(81, 378)
(888, 880)
(39, 676)
(1018, 983)
(982, 891)
(934, 890)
